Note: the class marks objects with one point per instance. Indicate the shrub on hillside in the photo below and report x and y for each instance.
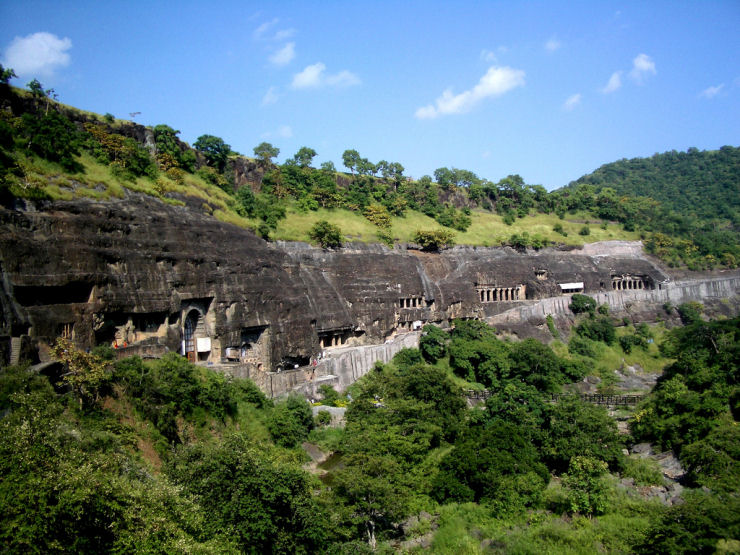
(580, 304)
(434, 239)
(329, 236)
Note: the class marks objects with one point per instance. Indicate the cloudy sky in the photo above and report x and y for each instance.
(549, 90)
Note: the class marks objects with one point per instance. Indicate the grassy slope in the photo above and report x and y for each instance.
(488, 229)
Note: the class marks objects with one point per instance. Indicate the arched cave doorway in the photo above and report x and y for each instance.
(191, 323)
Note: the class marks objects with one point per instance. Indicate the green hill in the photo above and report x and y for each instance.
(50, 151)
(700, 184)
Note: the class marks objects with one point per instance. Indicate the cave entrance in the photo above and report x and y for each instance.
(191, 323)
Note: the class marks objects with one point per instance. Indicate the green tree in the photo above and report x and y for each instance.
(371, 490)
(328, 235)
(582, 303)
(215, 150)
(586, 491)
(54, 137)
(291, 421)
(434, 239)
(36, 88)
(496, 465)
(265, 507)
(6, 74)
(266, 152)
(351, 160)
(85, 373)
(574, 428)
(169, 148)
(328, 167)
(304, 157)
(433, 343)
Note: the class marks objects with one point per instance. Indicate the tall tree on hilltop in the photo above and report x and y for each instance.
(214, 149)
(266, 152)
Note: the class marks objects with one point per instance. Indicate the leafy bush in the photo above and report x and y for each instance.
(378, 215)
(580, 304)
(598, 329)
(291, 421)
(435, 239)
(573, 428)
(496, 465)
(627, 342)
(433, 343)
(690, 312)
(585, 230)
(695, 526)
(266, 507)
(329, 236)
(171, 386)
(52, 136)
(323, 418)
(579, 345)
(585, 489)
(329, 395)
(406, 357)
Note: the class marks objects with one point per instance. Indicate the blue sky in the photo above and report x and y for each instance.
(548, 90)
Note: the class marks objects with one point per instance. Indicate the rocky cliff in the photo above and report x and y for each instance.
(148, 277)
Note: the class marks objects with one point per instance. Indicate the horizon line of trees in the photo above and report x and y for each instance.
(380, 191)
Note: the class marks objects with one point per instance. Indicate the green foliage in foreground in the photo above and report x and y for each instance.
(695, 405)
(165, 456)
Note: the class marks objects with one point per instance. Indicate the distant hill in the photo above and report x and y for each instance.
(695, 183)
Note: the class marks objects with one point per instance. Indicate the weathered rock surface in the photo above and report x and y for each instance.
(139, 273)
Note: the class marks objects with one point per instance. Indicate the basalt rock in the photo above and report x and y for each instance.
(147, 277)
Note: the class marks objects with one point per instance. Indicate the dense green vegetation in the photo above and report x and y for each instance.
(163, 456)
(691, 202)
(684, 205)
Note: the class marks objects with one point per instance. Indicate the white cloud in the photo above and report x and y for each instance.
(309, 77)
(260, 31)
(642, 66)
(314, 76)
(342, 79)
(284, 55)
(271, 96)
(283, 34)
(487, 56)
(572, 102)
(711, 92)
(282, 132)
(496, 81)
(37, 54)
(615, 82)
(552, 45)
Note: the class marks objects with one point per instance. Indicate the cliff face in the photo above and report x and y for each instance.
(148, 277)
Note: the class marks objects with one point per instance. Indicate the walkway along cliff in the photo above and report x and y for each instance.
(149, 278)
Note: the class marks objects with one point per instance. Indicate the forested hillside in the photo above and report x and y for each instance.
(129, 456)
(695, 183)
(50, 151)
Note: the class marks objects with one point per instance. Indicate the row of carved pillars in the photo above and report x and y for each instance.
(331, 340)
(626, 283)
(414, 302)
(499, 294)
